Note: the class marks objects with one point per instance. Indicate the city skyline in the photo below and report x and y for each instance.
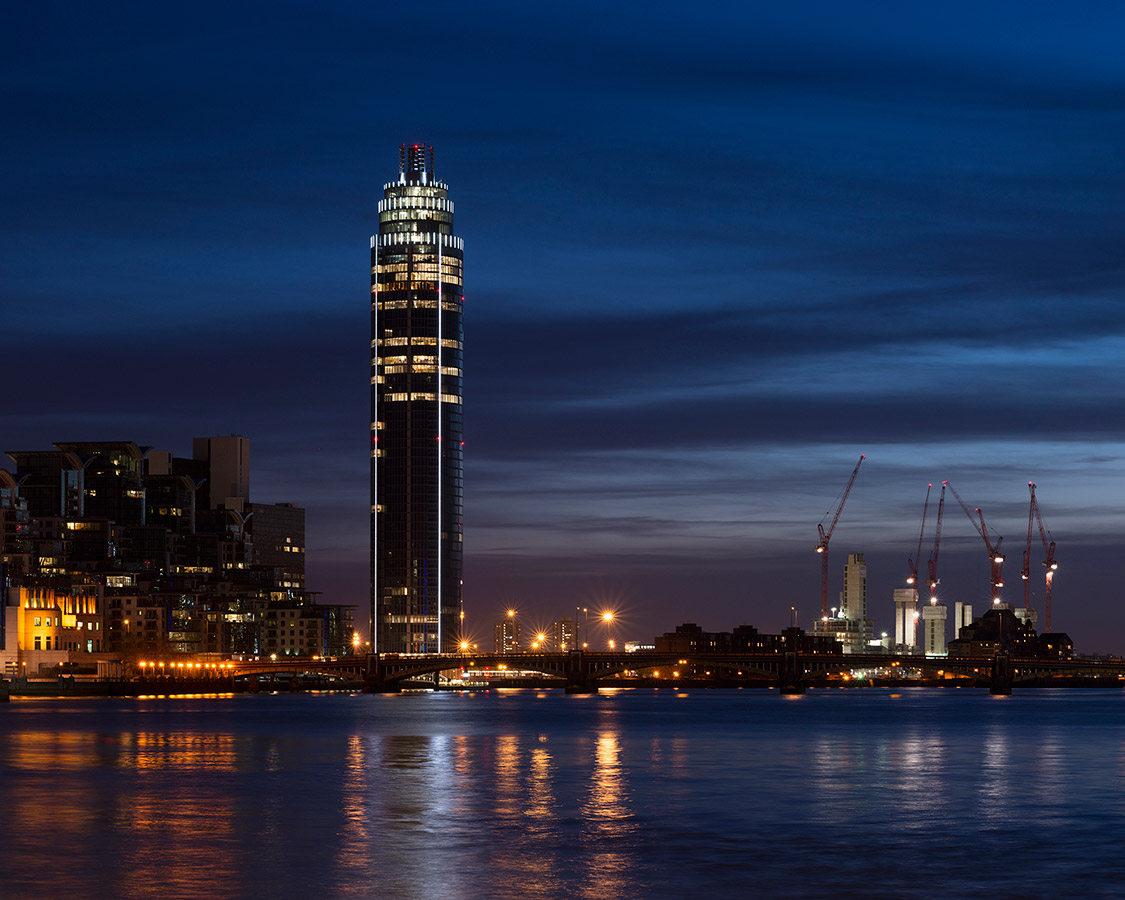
(710, 264)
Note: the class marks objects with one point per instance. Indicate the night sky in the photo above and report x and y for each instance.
(713, 252)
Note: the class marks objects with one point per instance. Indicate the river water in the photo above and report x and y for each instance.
(863, 793)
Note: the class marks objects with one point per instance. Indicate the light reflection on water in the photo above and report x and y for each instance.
(539, 795)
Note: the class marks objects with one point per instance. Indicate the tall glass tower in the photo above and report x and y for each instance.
(416, 425)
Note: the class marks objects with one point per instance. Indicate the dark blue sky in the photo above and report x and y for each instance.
(713, 253)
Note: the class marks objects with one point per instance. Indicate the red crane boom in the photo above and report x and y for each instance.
(1048, 553)
(995, 557)
(826, 536)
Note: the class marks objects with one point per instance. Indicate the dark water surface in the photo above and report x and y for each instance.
(631, 793)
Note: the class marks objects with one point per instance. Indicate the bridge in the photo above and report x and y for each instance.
(582, 671)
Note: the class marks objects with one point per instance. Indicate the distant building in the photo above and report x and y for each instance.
(853, 599)
(112, 484)
(848, 623)
(278, 534)
(689, 638)
(962, 616)
(1002, 630)
(307, 629)
(180, 558)
(1024, 615)
(934, 615)
(906, 617)
(851, 634)
(228, 470)
(51, 482)
(566, 634)
(506, 633)
(43, 626)
(15, 530)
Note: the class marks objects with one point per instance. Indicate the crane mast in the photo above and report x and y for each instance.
(1048, 554)
(826, 536)
(932, 564)
(1025, 572)
(912, 578)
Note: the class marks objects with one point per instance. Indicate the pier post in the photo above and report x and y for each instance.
(578, 679)
(791, 678)
(1001, 675)
(5, 691)
(375, 681)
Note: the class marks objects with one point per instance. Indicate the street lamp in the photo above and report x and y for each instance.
(607, 618)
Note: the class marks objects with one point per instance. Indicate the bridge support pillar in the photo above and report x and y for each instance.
(791, 677)
(578, 679)
(1001, 675)
(375, 680)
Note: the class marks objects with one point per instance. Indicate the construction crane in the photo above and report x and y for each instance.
(995, 557)
(932, 564)
(912, 578)
(826, 536)
(1048, 553)
(1025, 572)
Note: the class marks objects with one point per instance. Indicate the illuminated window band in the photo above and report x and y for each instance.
(441, 185)
(425, 202)
(416, 237)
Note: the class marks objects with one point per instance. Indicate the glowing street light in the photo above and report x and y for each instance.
(607, 618)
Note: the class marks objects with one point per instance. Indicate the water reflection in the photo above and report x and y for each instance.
(608, 824)
(915, 767)
(198, 824)
(435, 797)
(996, 788)
(351, 869)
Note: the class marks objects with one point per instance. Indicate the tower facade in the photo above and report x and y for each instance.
(416, 422)
(853, 599)
(906, 617)
(934, 616)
